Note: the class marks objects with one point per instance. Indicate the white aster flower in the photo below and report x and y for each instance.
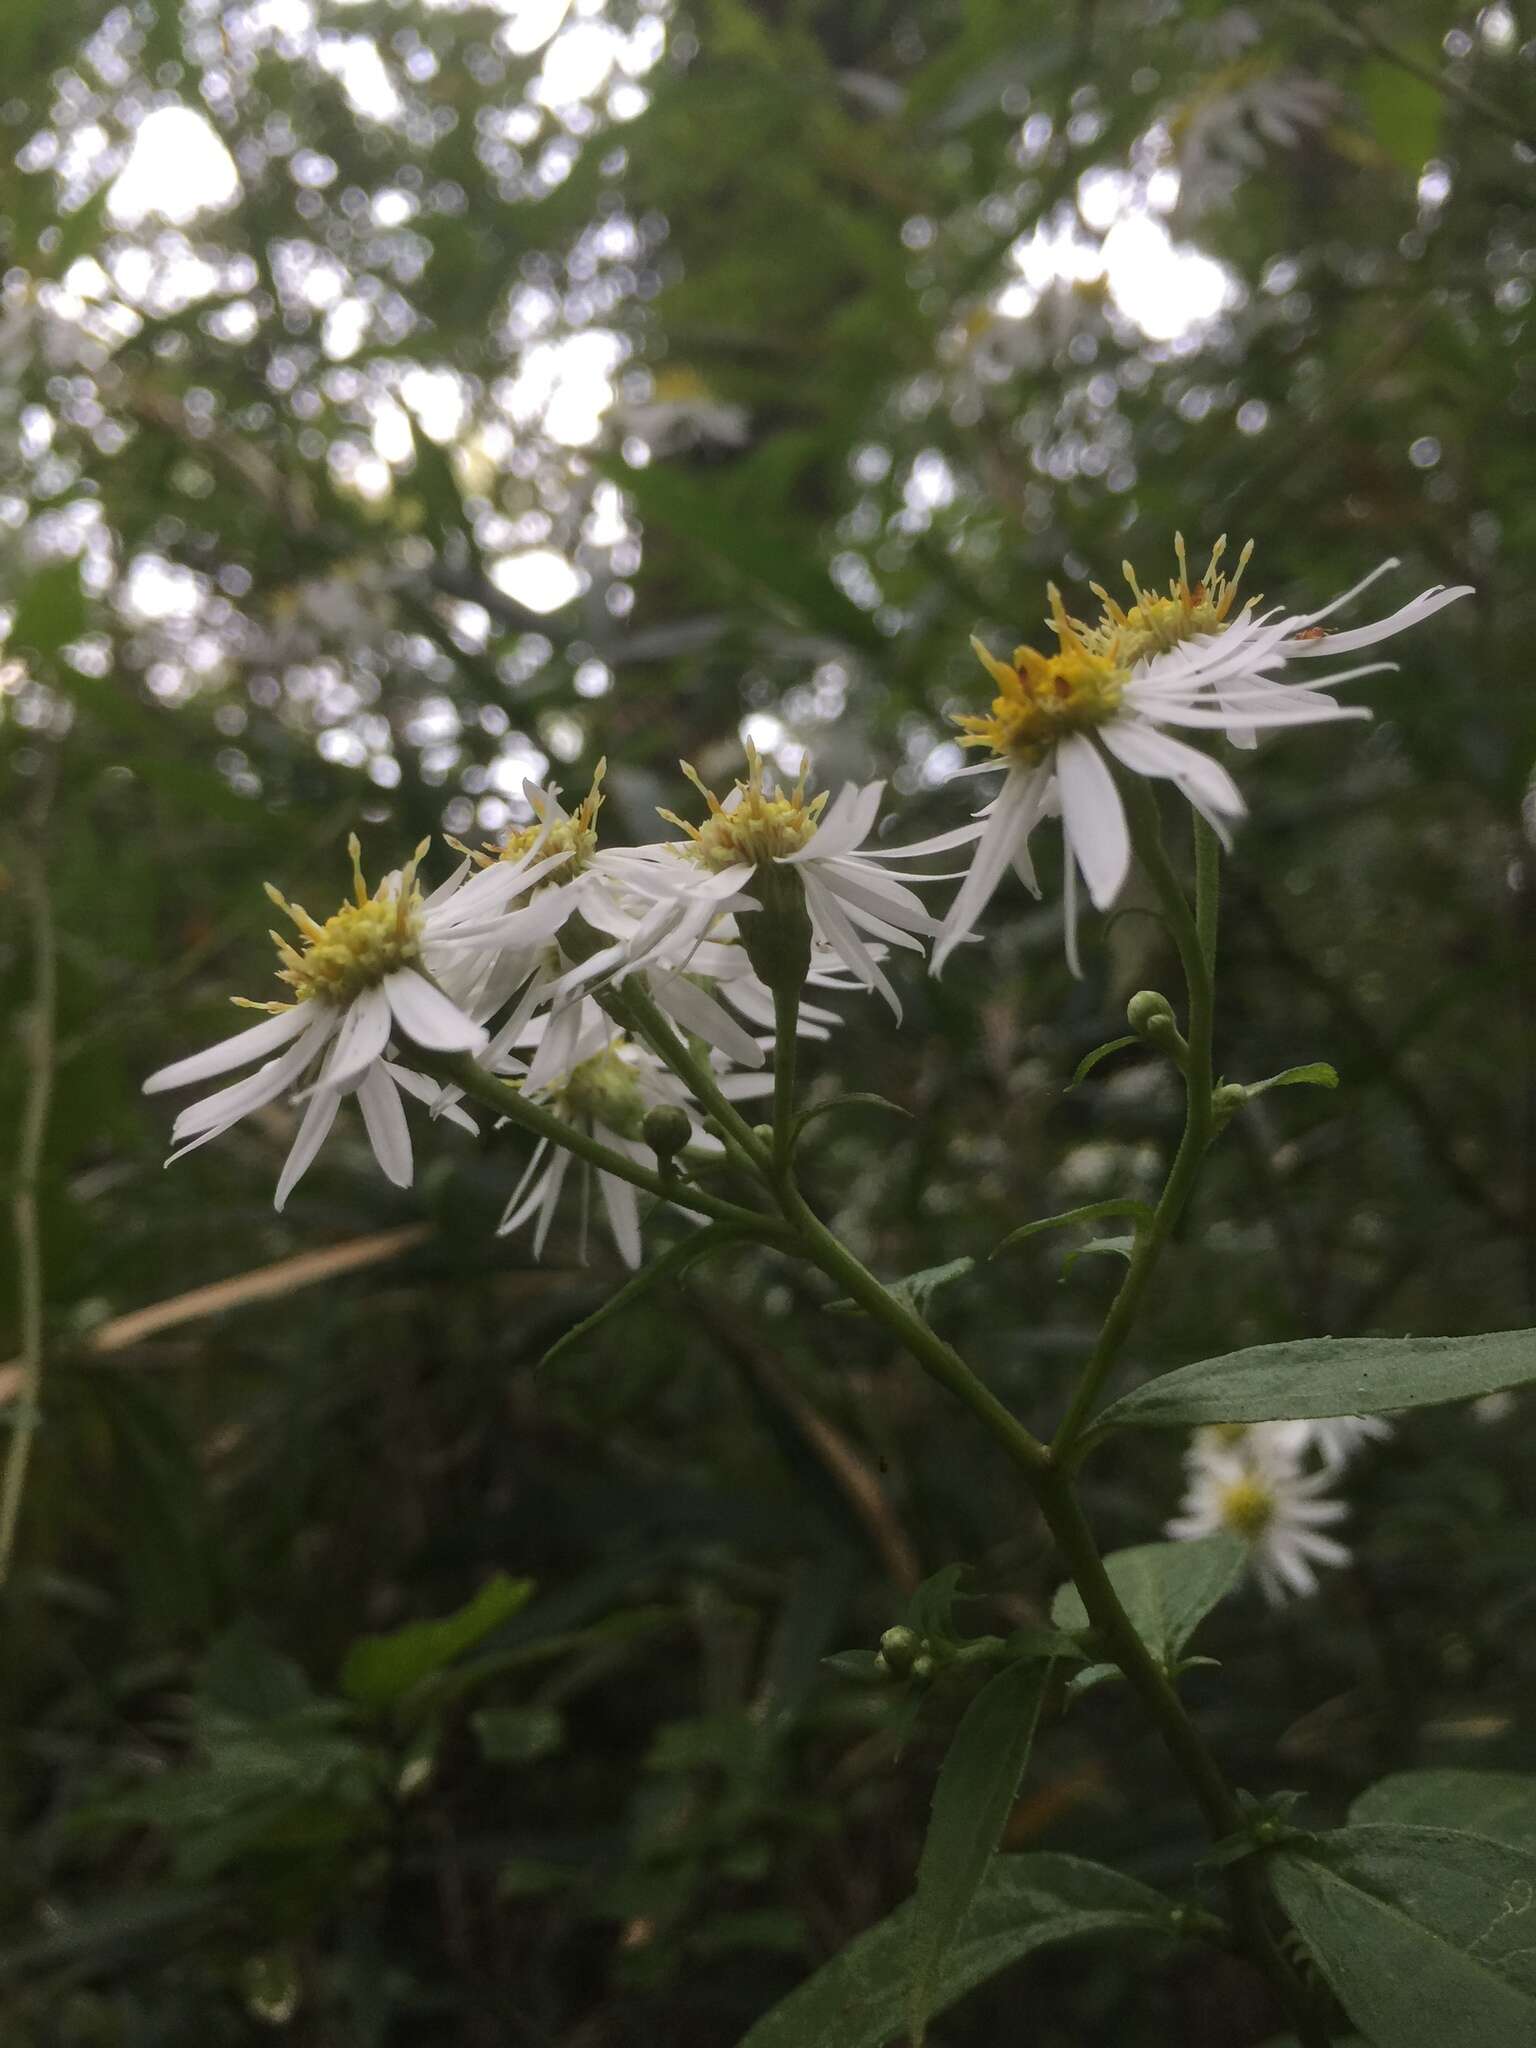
(857, 905)
(364, 978)
(1223, 132)
(1251, 1482)
(682, 413)
(603, 1084)
(1107, 695)
(1337, 1439)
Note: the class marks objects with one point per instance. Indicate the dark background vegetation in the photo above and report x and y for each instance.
(256, 580)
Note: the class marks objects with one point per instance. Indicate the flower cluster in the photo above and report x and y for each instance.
(525, 958)
(1269, 1483)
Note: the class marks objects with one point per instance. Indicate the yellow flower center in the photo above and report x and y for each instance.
(575, 835)
(1154, 623)
(603, 1090)
(761, 825)
(356, 947)
(1041, 697)
(1248, 1507)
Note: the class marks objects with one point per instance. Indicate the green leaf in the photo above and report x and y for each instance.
(1024, 1903)
(1318, 1075)
(931, 1608)
(1090, 1212)
(1404, 112)
(1167, 1589)
(915, 1291)
(809, 1116)
(1500, 1805)
(1320, 1376)
(1424, 1934)
(671, 1265)
(517, 1735)
(977, 1785)
(1115, 1247)
(380, 1670)
(1090, 1060)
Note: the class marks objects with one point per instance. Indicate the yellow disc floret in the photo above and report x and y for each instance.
(1042, 697)
(754, 825)
(353, 950)
(1154, 623)
(1248, 1507)
(603, 1090)
(575, 835)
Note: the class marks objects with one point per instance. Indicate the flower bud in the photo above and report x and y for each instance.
(763, 1133)
(666, 1129)
(899, 1648)
(1151, 1017)
(1226, 1100)
(1145, 1008)
(923, 1668)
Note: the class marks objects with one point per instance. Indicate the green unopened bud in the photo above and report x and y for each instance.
(763, 1133)
(666, 1129)
(923, 1668)
(1151, 1017)
(1145, 1009)
(1227, 1100)
(899, 1648)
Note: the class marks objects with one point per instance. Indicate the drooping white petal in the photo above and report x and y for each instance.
(1149, 752)
(384, 1120)
(364, 1033)
(1093, 818)
(426, 1015)
(215, 1113)
(832, 922)
(428, 1092)
(623, 1209)
(254, 1043)
(1006, 827)
(687, 1004)
(318, 1117)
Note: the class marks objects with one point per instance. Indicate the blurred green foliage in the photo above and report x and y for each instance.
(364, 1684)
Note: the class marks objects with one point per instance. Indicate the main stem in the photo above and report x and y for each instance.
(29, 1167)
(1195, 936)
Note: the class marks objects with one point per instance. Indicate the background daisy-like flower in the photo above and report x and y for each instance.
(1253, 1484)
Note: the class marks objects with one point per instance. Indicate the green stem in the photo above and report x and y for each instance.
(1182, 1739)
(29, 1166)
(637, 1010)
(507, 1101)
(786, 1028)
(1053, 1488)
(1194, 933)
(940, 1360)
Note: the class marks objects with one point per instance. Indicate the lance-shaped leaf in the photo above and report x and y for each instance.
(1091, 1212)
(1500, 1805)
(1320, 1376)
(1024, 1903)
(1090, 1060)
(1317, 1075)
(915, 1291)
(1424, 1935)
(1167, 1589)
(819, 1109)
(977, 1785)
(671, 1265)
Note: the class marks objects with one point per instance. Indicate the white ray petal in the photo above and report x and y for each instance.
(251, 1044)
(1093, 818)
(316, 1123)
(384, 1121)
(427, 1017)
